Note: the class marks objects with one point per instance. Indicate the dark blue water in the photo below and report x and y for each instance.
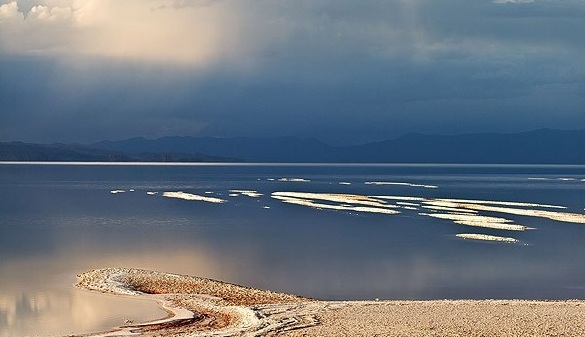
(60, 220)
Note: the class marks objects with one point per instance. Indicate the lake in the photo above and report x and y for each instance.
(323, 231)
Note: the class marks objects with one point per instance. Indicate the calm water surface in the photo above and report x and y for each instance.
(59, 220)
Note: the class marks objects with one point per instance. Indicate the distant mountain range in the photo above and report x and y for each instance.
(535, 147)
(18, 151)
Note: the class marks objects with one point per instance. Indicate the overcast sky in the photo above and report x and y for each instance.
(342, 71)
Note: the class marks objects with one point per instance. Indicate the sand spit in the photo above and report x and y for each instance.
(398, 184)
(204, 307)
(333, 197)
(461, 205)
(317, 205)
(199, 306)
(462, 211)
(340, 202)
(248, 193)
(449, 209)
(396, 197)
(484, 237)
(557, 216)
(194, 197)
(294, 180)
(499, 203)
(479, 221)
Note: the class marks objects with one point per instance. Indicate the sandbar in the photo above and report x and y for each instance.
(204, 307)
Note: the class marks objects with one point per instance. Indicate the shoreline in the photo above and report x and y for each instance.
(204, 307)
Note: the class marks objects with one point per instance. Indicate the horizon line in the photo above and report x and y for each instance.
(103, 163)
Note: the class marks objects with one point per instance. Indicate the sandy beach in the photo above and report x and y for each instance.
(204, 307)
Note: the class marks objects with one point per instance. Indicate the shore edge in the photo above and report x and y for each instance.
(204, 307)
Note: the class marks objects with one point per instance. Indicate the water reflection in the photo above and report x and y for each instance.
(53, 312)
(37, 296)
(57, 222)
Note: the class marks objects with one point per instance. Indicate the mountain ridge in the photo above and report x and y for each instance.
(543, 146)
(19, 151)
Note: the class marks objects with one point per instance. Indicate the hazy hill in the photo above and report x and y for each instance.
(284, 149)
(18, 151)
(536, 147)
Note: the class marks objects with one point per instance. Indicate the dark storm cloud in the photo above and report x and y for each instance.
(342, 71)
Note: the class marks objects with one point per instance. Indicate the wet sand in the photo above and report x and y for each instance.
(204, 307)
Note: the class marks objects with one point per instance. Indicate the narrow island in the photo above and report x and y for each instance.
(203, 307)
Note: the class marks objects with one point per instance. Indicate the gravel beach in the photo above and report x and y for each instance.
(204, 307)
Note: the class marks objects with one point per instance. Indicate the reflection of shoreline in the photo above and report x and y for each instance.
(230, 310)
(43, 308)
(170, 314)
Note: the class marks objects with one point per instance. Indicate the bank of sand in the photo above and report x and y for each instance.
(204, 307)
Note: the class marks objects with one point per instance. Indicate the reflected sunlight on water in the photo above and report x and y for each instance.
(38, 296)
(368, 241)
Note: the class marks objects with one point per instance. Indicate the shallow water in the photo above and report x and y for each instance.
(60, 220)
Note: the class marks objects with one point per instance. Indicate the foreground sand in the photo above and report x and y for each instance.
(203, 307)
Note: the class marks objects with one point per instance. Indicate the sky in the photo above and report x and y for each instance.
(341, 71)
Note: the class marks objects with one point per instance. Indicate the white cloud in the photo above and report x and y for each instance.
(201, 33)
(150, 31)
(242, 33)
(10, 11)
(41, 12)
(40, 30)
